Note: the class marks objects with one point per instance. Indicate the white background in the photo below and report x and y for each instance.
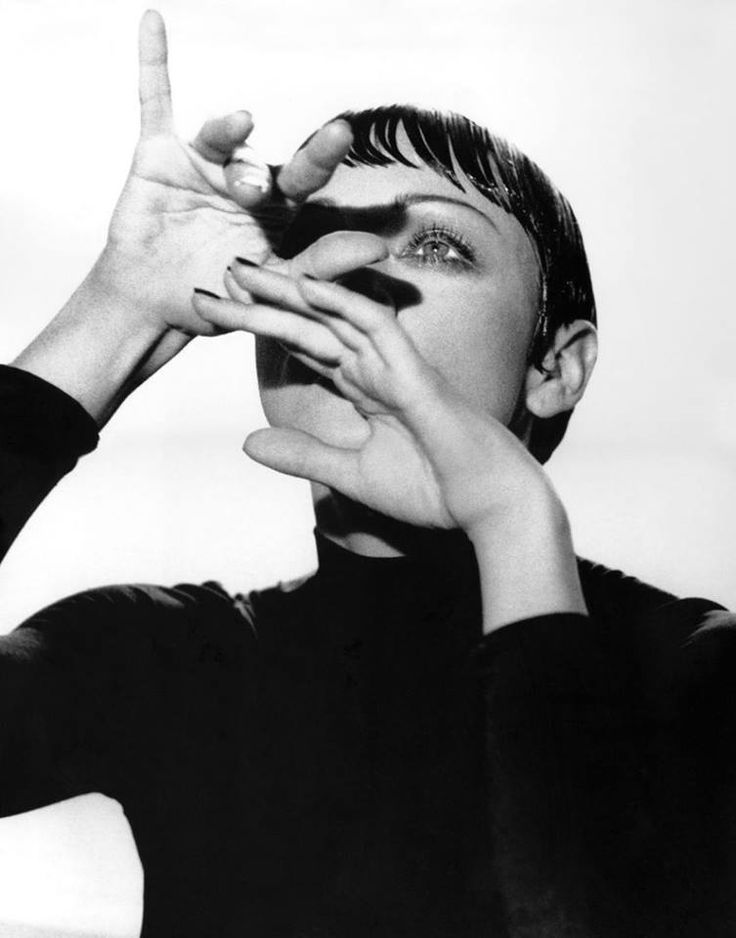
(627, 105)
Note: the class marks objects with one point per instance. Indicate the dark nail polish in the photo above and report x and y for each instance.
(246, 262)
(202, 292)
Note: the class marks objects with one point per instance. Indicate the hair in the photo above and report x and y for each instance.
(448, 142)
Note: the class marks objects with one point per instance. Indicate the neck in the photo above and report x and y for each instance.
(369, 533)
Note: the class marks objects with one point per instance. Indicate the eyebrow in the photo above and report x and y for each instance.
(400, 203)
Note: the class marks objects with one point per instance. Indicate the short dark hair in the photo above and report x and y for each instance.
(509, 179)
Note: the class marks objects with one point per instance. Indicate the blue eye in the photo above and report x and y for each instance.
(436, 246)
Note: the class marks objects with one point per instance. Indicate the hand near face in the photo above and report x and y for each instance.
(188, 207)
(185, 209)
(426, 457)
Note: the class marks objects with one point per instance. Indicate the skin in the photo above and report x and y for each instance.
(404, 432)
(472, 321)
(183, 212)
(401, 429)
(472, 305)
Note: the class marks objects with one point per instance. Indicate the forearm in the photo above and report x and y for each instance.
(565, 733)
(99, 346)
(526, 563)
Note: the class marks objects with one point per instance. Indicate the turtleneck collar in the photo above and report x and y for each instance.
(447, 556)
(408, 613)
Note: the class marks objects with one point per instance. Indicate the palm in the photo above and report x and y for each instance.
(394, 476)
(433, 469)
(178, 225)
(184, 213)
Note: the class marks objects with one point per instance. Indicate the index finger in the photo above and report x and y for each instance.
(311, 167)
(154, 87)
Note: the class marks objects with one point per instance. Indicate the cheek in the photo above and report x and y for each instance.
(476, 337)
(292, 397)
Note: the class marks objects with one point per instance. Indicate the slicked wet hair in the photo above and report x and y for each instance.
(447, 142)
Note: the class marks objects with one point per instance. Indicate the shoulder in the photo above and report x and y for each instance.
(682, 639)
(611, 594)
(136, 624)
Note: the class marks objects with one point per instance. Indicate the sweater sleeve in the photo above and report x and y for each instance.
(45, 751)
(106, 690)
(43, 432)
(99, 691)
(609, 773)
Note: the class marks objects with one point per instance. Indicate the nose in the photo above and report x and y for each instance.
(381, 287)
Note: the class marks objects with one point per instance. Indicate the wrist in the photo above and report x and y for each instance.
(116, 286)
(536, 514)
(95, 347)
(527, 563)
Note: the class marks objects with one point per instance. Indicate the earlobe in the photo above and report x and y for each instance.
(566, 369)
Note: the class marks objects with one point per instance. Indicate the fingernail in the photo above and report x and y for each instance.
(209, 293)
(251, 169)
(254, 182)
(246, 262)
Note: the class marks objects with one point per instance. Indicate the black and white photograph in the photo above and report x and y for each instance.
(368, 469)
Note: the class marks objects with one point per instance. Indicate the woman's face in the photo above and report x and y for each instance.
(464, 277)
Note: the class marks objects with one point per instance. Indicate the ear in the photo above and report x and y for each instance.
(566, 368)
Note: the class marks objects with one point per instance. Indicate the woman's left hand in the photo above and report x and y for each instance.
(427, 457)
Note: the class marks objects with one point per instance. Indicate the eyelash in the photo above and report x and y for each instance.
(444, 235)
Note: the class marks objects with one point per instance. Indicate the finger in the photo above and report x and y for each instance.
(363, 314)
(339, 253)
(248, 283)
(323, 370)
(306, 335)
(245, 281)
(219, 136)
(299, 454)
(248, 177)
(154, 87)
(312, 166)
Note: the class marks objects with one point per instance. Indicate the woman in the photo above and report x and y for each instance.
(453, 728)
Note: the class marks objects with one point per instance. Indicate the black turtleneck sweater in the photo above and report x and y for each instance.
(349, 757)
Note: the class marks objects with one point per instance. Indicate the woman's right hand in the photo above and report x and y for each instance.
(185, 210)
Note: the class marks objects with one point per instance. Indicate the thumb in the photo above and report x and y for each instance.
(300, 454)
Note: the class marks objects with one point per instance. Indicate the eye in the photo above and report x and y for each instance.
(438, 245)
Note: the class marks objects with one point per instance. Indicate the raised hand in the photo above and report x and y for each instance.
(187, 207)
